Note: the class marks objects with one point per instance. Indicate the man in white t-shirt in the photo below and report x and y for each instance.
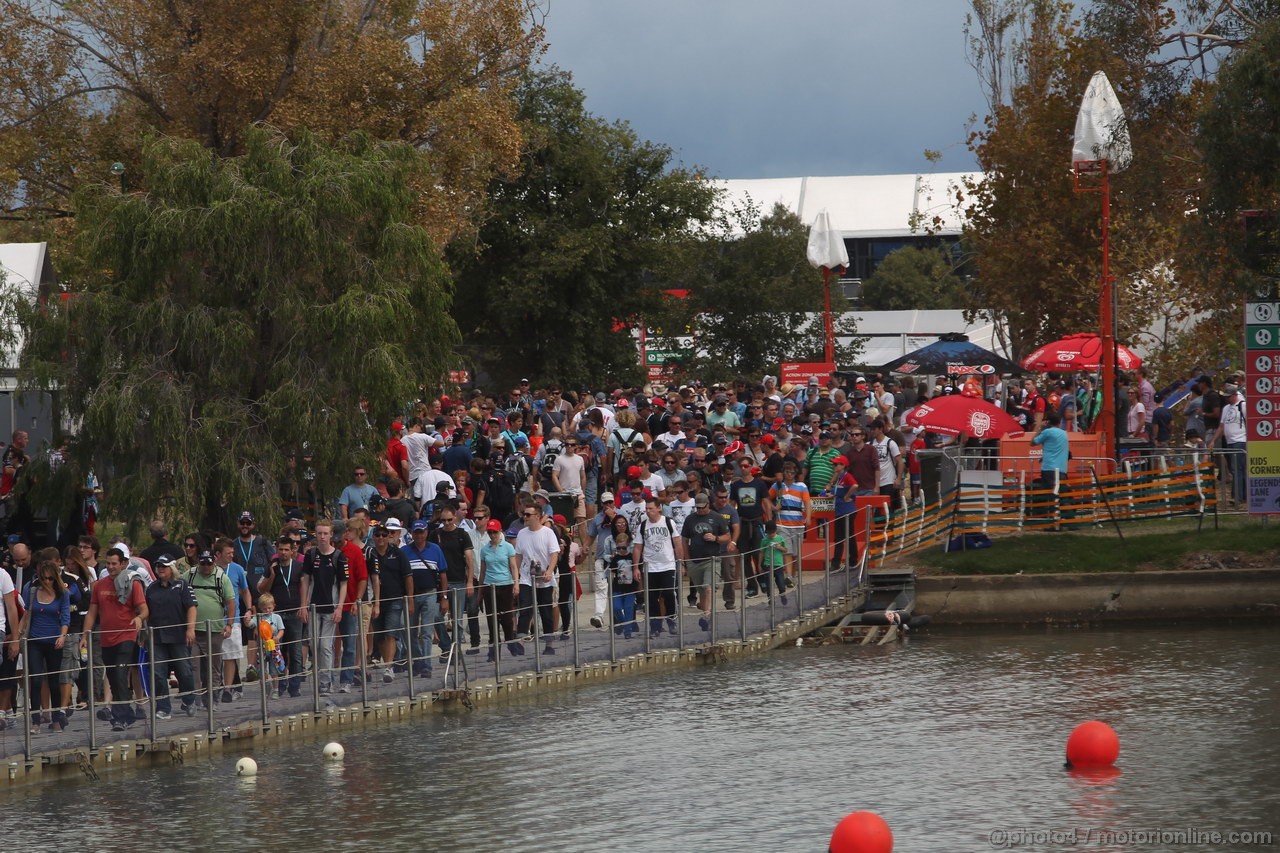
(568, 474)
(9, 634)
(681, 505)
(891, 462)
(674, 434)
(1232, 430)
(537, 552)
(655, 549)
(417, 445)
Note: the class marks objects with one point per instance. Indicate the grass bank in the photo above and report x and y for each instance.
(1239, 542)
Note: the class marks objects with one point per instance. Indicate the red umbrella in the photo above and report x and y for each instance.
(1078, 352)
(955, 413)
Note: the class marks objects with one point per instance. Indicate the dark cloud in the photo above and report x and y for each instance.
(773, 88)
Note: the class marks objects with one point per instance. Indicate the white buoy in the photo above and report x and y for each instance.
(246, 767)
(333, 751)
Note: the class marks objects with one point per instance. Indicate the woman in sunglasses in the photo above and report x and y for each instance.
(45, 625)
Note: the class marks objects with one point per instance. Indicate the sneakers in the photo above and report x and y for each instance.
(250, 674)
(671, 625)
(163, 715)
(344, 687)
(549, 650)
(516, 649)
(597, 622)
(117, 726)
(783, 598)
(190, 709)
(491, 657)
(104, 714)
(226, 697)
(564, 635)
(474, 650)
(704, 623)
(388, 676)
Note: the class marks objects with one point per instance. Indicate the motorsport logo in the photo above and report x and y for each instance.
(956, 369)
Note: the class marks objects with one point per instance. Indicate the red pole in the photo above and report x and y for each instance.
(828, 327)
(1107, 322)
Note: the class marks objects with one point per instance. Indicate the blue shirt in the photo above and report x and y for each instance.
(496, 562)
(427, 565)
(356, 497)
(47, 619)
(1056, 450)
(239, 581)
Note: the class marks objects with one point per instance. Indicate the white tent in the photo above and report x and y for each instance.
(890, 334)
(26, 267)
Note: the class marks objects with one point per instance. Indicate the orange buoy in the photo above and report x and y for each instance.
(861, 832)
(1093, 744)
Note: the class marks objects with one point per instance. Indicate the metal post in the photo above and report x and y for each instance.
(151, 688)
(363, 651)
(537, 627)
(25, 650)
(93, 705)
(613, 625)
(408, 646)
(497, 632)
(826, 570)
(315, 661)
(208, 672)
(573, 616)
(742, 597)
(773, 594)
(715, 576)
(647, 630)
(799, 588)
(680, 607)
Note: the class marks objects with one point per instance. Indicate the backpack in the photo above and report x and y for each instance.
(550, 453)
(218, 575)
(502, 492)
(586, 441)
(517, 469)
(623, 446)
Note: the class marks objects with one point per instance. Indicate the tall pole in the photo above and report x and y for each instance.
(1107, 324)
(828, 327)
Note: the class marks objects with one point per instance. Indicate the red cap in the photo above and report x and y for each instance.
(493, 525)
(768, 440)
(559, 519)
(755, 469)
(779, 423)
(397, 426)
(733, 447)
(634, 472)
(840, 460)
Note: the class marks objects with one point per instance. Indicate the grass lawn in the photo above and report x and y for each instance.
(1240, 542)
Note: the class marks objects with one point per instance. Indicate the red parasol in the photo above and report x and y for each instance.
(955, 413)
(1078, 352)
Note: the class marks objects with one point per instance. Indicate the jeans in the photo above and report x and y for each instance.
(348, 629)
(568, 598)
(117, 660)
(175, 656)
(502, 600)
(843, 532)
(426, 619)
(326, 632)
(470, 605)
(1236, 465)
(45, 659)
(206, 643)
(624, 608)
(291, 649)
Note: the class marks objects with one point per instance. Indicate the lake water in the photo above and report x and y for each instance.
(950, 737)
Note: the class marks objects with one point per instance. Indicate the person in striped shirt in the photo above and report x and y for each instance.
(794, 510)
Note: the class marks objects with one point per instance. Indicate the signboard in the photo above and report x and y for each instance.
(1262, 390)
(659, 364)
(798, 372)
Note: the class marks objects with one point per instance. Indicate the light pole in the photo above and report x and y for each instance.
(117, 169)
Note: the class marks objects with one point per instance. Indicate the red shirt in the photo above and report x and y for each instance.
(397, 454)
(357, 571)
(115, 620)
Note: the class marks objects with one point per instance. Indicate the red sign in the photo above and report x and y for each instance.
(798, 372)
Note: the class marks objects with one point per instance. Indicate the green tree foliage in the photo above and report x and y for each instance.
(238, 313)
(570, 245)
(914, 278)
(753, 298)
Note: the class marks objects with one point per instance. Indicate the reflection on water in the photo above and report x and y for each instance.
(949, 737)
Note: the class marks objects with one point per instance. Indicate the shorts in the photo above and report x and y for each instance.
(366, 617)
(390, 617)
(701, 572)
(233, 647)
(793, 537)
(579, 505)
(592, 491)
(70, 665)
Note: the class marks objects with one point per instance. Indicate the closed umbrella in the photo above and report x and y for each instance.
(826, 252)
(1077, 352)
(954, 413)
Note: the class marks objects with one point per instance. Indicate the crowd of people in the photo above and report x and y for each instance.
(502, 506)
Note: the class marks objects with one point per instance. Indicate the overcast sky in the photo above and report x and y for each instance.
(778, 88)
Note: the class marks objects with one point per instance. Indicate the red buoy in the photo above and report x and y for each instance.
(1093, 744)
(861, 832)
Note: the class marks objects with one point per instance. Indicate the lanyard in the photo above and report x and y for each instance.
(244, 552)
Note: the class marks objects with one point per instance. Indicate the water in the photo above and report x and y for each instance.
(949, 737)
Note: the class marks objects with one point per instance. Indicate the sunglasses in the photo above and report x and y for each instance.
(360, 474)
(187, 544)
(529, 514)
(380, 534)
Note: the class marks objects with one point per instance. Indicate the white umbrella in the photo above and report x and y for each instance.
(826, 252)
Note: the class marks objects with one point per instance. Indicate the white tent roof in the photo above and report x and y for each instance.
(890, 334)
(859, 205)
(24, 266)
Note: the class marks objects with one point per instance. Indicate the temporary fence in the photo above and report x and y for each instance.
(438, 652)
(1152, 485)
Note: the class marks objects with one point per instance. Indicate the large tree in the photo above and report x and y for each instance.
(81, 83)
(565, 264)
(235, 315)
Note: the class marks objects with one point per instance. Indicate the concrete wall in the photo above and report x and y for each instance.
(1108, 597)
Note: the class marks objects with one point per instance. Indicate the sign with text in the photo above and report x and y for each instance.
(798, 372)
(1262, 418)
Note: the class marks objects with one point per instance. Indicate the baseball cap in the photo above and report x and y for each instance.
(164, 560)
(559, 519)
(634, 472)
(755, 469)
(1230, 389)
(813, 380)
(607, 497)
(768, 440)
(720, 398)
(393, 524)
(397, 426)
(840, 460)
(521, 440)
(421, 524)
(247, 516)
(701, 499)
(733, 447)
(806, 430)
(779, 423)
(295, 515)
(206, 558)
(493, 525)
(624, 403)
